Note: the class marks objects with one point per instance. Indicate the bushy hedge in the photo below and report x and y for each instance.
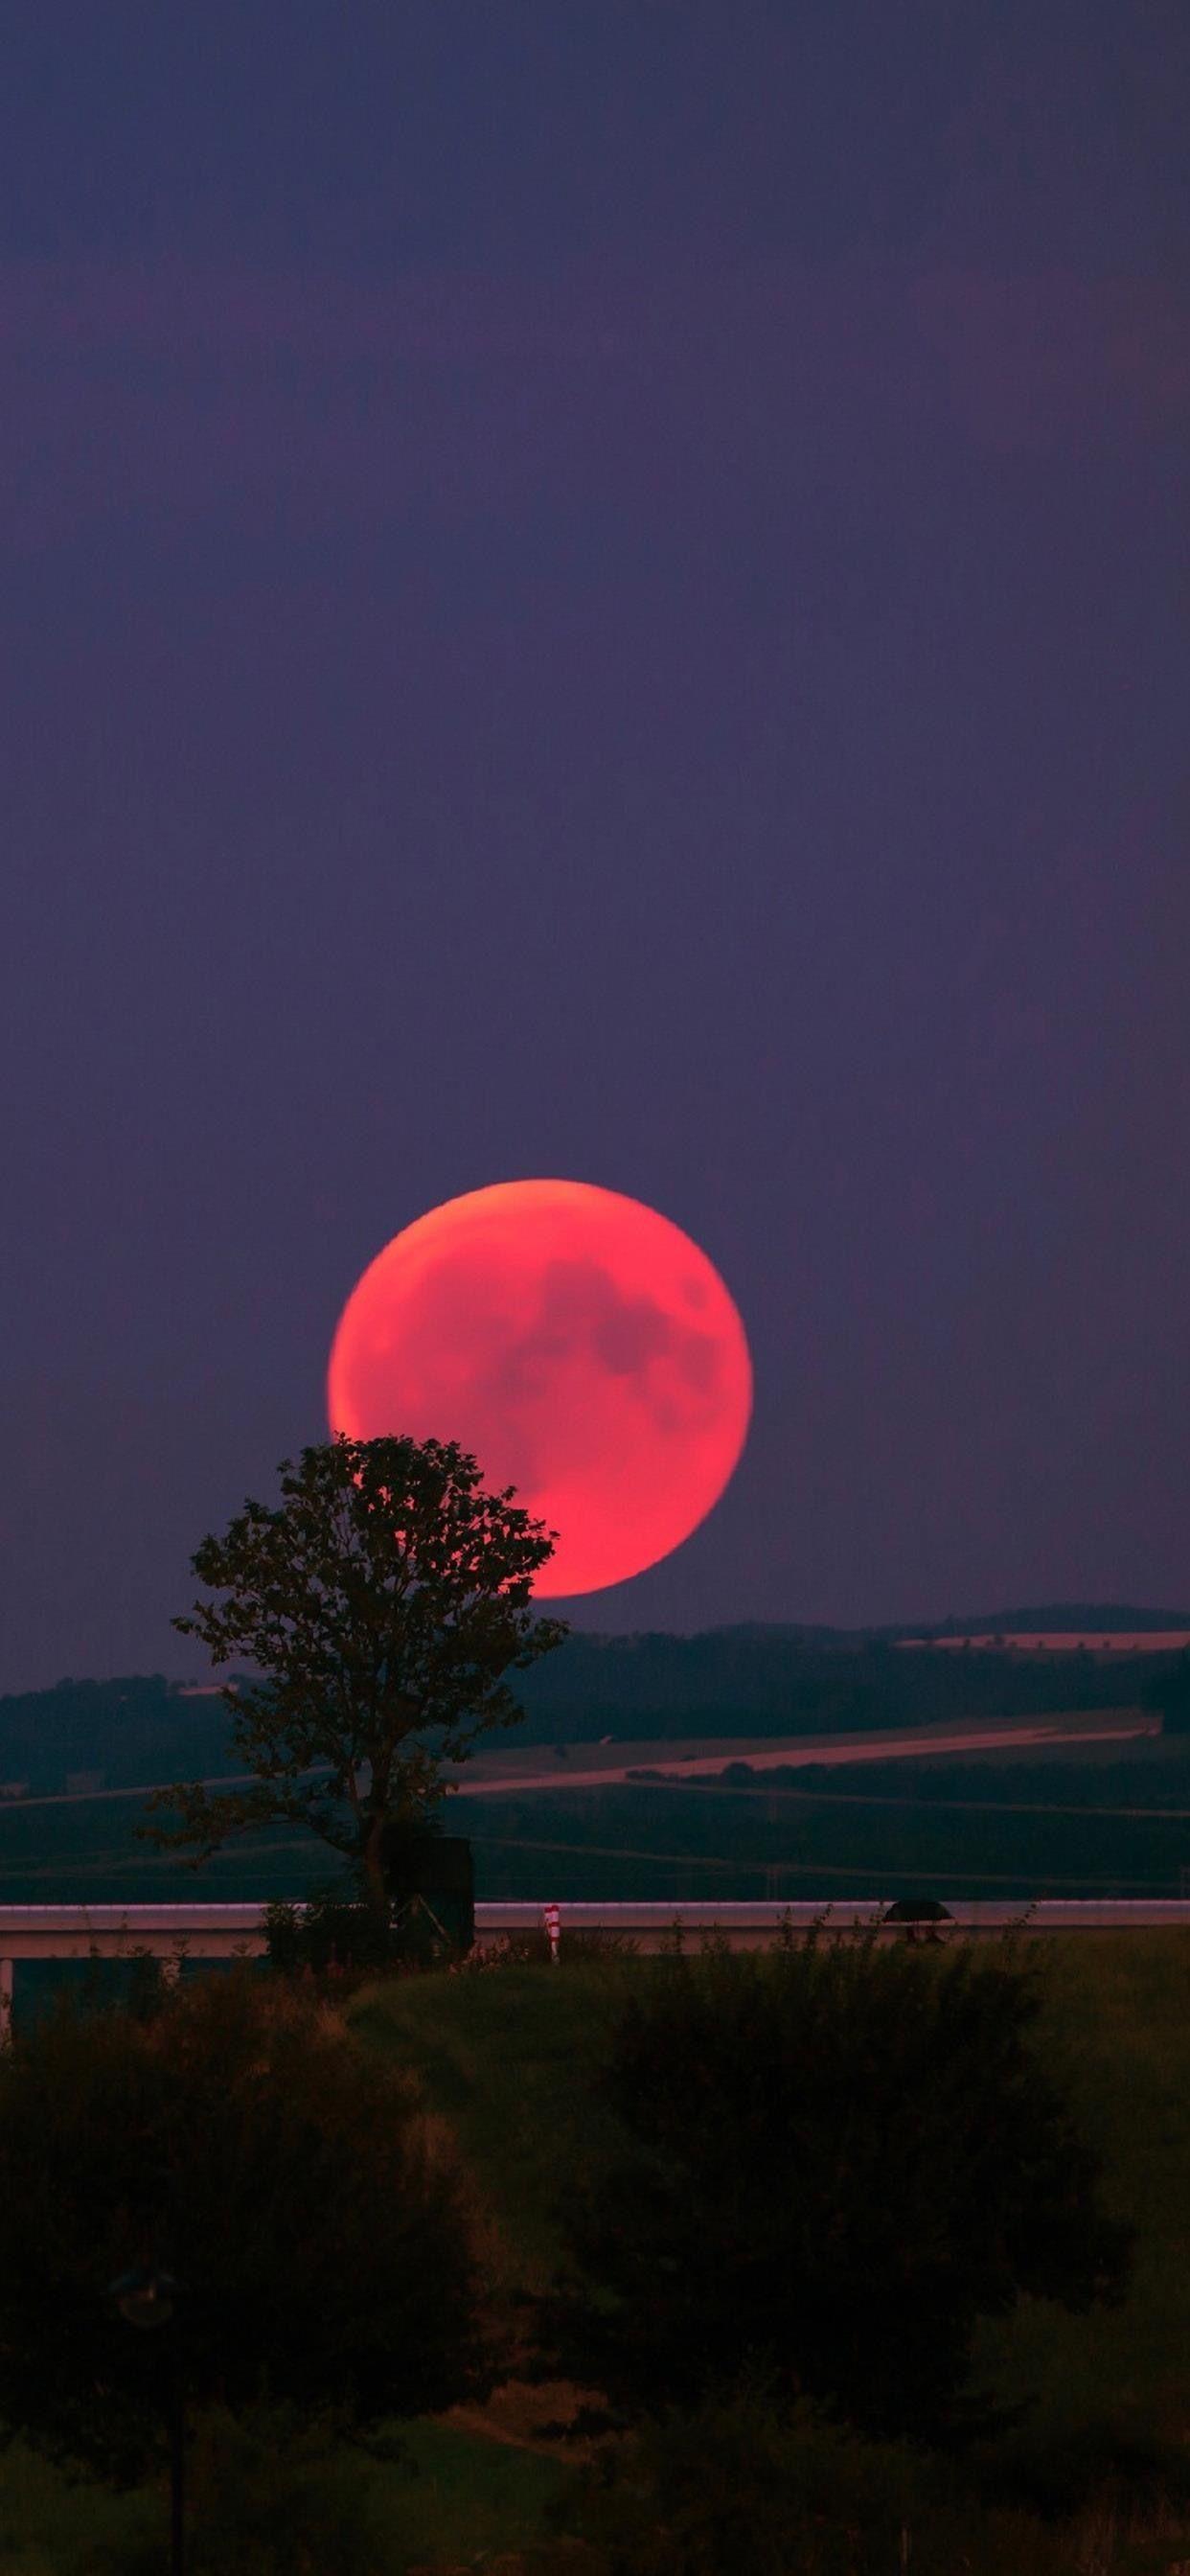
(838, 2159)
(319, 2224)
(331, 1932)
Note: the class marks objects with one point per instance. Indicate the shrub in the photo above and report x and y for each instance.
(333, 1932)
(318, 2223)
(741, 2483)
(342, 1936)
(133, 1983)
(267, 2496)
(836, 2162)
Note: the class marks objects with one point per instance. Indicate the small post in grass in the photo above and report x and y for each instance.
(552, 1920)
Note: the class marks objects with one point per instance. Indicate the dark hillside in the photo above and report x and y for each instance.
(1076, 1618)
(137, 1728)
(756, 1681)
(141, 1728)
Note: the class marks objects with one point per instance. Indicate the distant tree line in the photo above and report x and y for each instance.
(130, 1729)
(141, 1728)
(725, 1684)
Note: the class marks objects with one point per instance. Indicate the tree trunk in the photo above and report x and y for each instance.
(376, 1887)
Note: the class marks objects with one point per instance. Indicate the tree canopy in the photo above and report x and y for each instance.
(836, 2162)
(322, 2234)
(383, 1602)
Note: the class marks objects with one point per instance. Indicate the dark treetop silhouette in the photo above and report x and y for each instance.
(384, 1601)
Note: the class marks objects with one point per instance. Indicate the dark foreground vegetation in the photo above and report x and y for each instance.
(823, 2262)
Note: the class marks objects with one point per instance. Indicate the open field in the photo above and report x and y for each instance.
(1000, 1817)
(604, 1765)
(966, 1831)
(507, 2057)
(530, 1765)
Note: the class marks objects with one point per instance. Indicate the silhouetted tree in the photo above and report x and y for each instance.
(839, 2161)
(384, 1601)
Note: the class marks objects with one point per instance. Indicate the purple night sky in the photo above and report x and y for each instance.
(600, 590)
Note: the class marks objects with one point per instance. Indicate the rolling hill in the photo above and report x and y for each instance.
(748, 1679)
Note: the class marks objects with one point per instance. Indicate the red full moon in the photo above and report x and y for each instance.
(579, 1345)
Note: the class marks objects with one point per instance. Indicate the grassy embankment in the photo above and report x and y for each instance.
(507, 2056)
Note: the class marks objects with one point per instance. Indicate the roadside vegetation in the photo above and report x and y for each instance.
(545, 2088)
